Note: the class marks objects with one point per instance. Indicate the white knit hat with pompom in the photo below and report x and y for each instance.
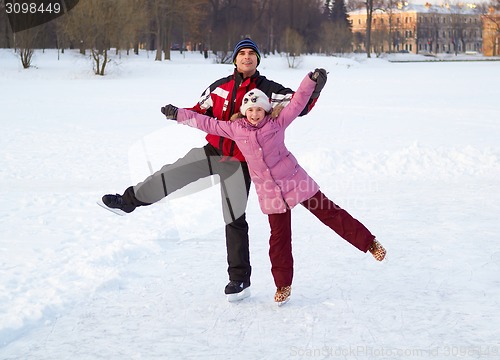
(255, 98)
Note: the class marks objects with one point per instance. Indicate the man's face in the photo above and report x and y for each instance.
(246, 61)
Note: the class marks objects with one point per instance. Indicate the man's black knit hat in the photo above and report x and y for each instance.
(246, 43)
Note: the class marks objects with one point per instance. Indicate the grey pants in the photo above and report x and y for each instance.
(197, 164)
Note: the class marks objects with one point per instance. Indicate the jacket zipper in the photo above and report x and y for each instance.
(237, 81)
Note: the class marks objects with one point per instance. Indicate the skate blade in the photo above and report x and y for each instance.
(281, 303)
(115, 211)
(238, 296)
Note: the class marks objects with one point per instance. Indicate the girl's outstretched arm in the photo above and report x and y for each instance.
(298, 102)
(205, 123)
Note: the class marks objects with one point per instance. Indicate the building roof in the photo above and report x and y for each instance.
(465, 9)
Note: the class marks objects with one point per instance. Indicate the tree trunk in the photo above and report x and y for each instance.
(136, 47)
(158, 46)
(100, 60)
(26, 55)
(159, 39)
(369, 14)
(104, 62)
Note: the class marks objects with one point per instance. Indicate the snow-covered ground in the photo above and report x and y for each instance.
(412, 150)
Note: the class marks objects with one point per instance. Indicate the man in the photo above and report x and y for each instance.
(220, 156)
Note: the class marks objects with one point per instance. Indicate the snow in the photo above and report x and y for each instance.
(410, 149)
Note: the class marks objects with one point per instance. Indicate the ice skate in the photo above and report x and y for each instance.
(282, 295)
(237, 290)
(114, 203)
(377, 250)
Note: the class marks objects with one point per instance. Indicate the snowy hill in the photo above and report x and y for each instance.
(410, 149)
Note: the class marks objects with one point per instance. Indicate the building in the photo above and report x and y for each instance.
(420, 29)
(491, 33)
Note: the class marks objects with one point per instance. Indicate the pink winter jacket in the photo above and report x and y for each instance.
(276, 174)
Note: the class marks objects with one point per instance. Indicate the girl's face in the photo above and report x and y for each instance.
(255, 115)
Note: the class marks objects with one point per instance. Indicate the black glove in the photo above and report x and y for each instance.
(318, 75)
(170, 111)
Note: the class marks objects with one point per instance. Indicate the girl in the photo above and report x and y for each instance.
(280, 182)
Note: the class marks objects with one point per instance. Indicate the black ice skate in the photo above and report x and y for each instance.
(114, 203)
(237, 290)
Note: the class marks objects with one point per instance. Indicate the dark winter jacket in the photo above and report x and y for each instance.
(223, 98)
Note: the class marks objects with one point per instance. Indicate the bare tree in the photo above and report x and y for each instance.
(491, 19)
(294, 45)
(369, 18)
(342, 39)
(90, 24)
(191, 25)
(161, 13)
(5, 31)
(165, 15)
(98, 25)
(25, 43)
(371, 6)
(328, 38)
(132, 18)
(389, 7)
(379, 38)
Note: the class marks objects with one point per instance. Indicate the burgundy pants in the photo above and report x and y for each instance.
(330, 214)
